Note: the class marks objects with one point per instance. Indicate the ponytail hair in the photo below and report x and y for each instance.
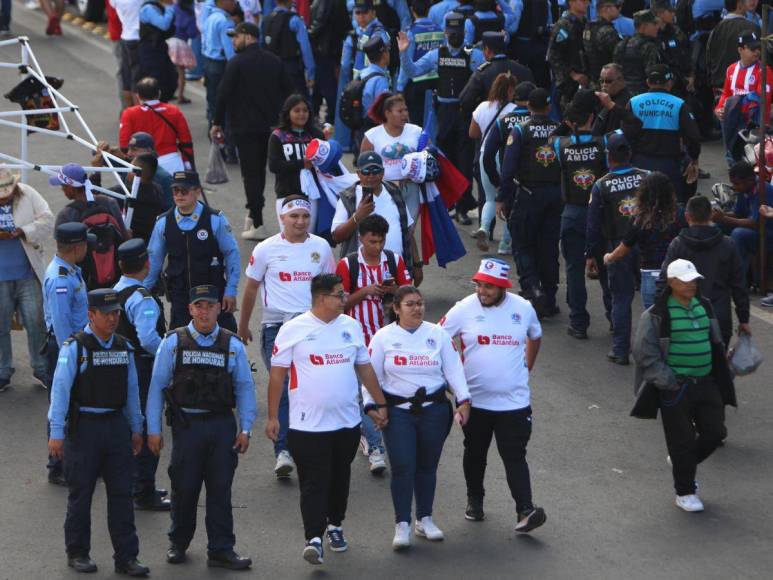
(383, 103)
(503, 85)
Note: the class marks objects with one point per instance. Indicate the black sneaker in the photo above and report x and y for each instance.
(463, 218)
(576, 333)
(474, 511)
(175, 555)
(82, 564)
(531, 519)
(4, 385)
(44, 379)
(229, 560)
(132, 568)
(57, 479)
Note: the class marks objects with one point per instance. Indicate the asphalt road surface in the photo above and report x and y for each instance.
(601, 475)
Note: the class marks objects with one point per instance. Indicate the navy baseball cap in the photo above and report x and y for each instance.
(495, 41)
(617, 143)
(206, 292)
(454, 20)
(142, 140)
(600, 3)
(364, 5)
(244, 28)
(73, 233)
(70, 174)
(523, 90)
(659, 74)
(104, 300)
(133, 250)
(750, 40)
(185, 179)
(585, 100)
(539, 98)
(369, 159)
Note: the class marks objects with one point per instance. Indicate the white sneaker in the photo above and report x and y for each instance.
(364, 447)
(248, 225)
(668, 460)
(284, 465)
(376, 461)
(402, 537)
(689, 503)
(426, 528)
(481, 239)
(256, 234)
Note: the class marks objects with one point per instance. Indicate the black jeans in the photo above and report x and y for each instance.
(452, 139)
(512, 430)
(324, 462)
(253, 153)
(695, 409)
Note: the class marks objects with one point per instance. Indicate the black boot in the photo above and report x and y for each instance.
(131, 567)
(230, 560)
(82, 564)
(175, 555)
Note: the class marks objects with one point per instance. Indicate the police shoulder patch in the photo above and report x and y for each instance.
(62, 271)
(485, 65)
(562, 35)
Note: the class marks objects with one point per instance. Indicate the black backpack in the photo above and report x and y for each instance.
(353, 262)
(350, 106)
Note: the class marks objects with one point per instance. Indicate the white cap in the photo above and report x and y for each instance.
(683, 270)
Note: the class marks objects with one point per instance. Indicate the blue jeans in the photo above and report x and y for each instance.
(414, 443)
(622, 284)
(267, 338)
(26, 297)
(747, 242)
(648, 288)
(213, 71)
(197, 72)
(368, 429)
(671, 166)
(573, 223)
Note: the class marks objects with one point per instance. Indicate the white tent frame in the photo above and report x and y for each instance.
(28, 65)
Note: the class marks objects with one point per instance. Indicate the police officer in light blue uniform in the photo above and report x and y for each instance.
(285, 34)
(201, 249)
(96, 425)
(64, 304)
(378, 70)
(203, 373)
(142, 323)
(485, 18)
(438, 11)
(399, 8)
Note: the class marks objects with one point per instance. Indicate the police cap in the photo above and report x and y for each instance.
(750, 40)
(617, 143)
(523, 90)
(600, 3)
(206, 292)
(374, 47)
(247, 28)
(644, 17)
(454, 20)
(658, 5)
(585, 101)
(133, 250)
(185, 179)
(539, 99)
(495, 41)
(104, 300)
(659, 74)
(72, 233)
(364, 5)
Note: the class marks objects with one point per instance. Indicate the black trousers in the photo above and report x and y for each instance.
(693, 422)
(324, 461)
(253, 153)
(452, 139)
(512, 430)
(145, 462)
(325, 86)
(101, 446)
(54, 465)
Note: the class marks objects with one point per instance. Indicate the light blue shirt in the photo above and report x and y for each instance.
(429, 63)
(352, 57)
(238, 366)
(225, 241)
(150, 14)
(298, 27)
(65, 299)
(64, 376)
(142, 312)
(624, 26)
(437, 13)
(375, 86)
(512, 19)
(399, 6)
(215, 42)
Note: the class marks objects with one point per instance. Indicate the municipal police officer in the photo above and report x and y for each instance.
(142, 322)
(95, 391)
(201, 249)
(565, 52)
(530, 177)
(600, 38)
(203, 373)
(156, 25)
(613, 199)
(64, 304)
(667, 127)
(285, 34)
(529, 43)
(640, 52)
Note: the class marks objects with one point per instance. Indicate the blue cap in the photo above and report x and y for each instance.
(70, 174)
(374, 46)
(104, 300)
(454, 20)
(133, 250)
(496, 41)
(618, 143)
(206, 292)
(369, 159)
(364, 5)
(185, 179)
(71, 233)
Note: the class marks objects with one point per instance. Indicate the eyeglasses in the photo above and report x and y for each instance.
(608, 81)
(413, 303)
(372, 170)
(340, 295)
(180, 191)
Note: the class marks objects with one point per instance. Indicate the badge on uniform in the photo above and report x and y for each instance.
(431, 342)
(562, 35)
(61, 290)
(202, 235)
(516, 318)
(545, 155)
(315, 257)
(346, 336)
(583, 178)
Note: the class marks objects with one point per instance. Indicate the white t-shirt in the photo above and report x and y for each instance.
(485, 113)
(285, 271)
(404, 361)
(386, 208)
(494, 347)
(393, 149)
(321, 356)
(129, 14)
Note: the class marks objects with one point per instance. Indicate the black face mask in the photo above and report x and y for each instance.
(455, 39)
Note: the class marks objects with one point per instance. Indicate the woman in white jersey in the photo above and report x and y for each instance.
(393, 139)
(415, 361)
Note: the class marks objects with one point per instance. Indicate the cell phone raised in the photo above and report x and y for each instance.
(367, 193)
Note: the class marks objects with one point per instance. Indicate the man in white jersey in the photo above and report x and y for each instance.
(325, 354)
(500, 337)
(281, 268)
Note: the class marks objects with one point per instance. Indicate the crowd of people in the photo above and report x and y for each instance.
(580, 129)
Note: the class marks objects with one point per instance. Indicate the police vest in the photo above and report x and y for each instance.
(453, 72)
(657, 111)
(153, 35)
(126, 328)
(534, 19)
(582, 163)
(538, 163)
(194, 257)
(279, 38)
(483, 24)
(201, 379)
(618, 192)
(426, 36)
(628, 54)
(595, 55)
(505, 124)
(361, 40)
(105, 382)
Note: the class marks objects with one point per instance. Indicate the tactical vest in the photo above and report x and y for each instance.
(359, 41)
(481, 25)
(151, 34)
(126, 328)
(618, 191)
(426, 36)
(538, 164)
(453, 72)
(658, 111)
(629, 57)
(595, 57)
(201, 378)
(279, 38)
(534, 20)
(105, 382)
(194, 257)
(505, 124)
(582, 163)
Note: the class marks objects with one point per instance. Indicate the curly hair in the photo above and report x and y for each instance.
(655, 202)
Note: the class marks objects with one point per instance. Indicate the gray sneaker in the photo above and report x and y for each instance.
(767, 302)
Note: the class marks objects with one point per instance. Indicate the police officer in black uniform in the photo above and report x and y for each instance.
(142, 323)
(95, 391)
(599, 40)
(640, 52)
(565, 52)
(675, 49)
(529, 44)
(530, 177)
(612, 204)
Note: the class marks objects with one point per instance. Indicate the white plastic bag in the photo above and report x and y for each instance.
(745, 357)
(216, 172)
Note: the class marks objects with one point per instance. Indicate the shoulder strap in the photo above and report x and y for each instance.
(180, 145)
(124, 294)
(391, 263)
(494, 120)
(353, 263)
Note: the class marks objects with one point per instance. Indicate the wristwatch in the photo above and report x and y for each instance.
(248, 434)
(372, 407)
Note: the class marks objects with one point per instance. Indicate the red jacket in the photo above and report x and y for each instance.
(167, 139)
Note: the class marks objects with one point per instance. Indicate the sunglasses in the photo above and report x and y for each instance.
(372, 170)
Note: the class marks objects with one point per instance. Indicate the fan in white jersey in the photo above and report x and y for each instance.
(281, 269)
(500, 336)
(415, 362)
(325, 354)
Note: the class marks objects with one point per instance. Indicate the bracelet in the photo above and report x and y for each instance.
(373, 407)
(354, 217)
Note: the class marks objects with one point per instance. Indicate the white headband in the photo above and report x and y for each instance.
(295, 204)
(71, 182)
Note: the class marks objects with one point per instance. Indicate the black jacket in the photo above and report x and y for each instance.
(716, 258)
(612, 120)
(722, 47)
(477, 88)
(252, 102)
(330, 23)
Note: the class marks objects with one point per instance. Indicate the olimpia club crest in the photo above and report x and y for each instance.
(583, 178)
(545, 155)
